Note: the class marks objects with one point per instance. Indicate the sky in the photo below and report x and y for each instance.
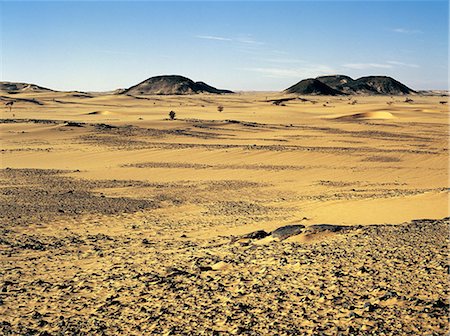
(237, 45)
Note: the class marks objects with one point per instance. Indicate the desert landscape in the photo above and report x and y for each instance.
(319, 210)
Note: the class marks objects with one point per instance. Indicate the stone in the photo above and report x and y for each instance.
(327, 227)
(287, 231)
(256, 235)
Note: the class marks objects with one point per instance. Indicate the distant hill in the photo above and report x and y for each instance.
(439, 93)
(13, 87)
(337, 82)
(341, 84)
(312, 86)
(171, 85)
(383, 85)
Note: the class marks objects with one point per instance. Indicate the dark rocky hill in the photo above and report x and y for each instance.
(383, 85)
(341, 84)
(171, 85)
(337, 82)
(13, 87)
(312, 86)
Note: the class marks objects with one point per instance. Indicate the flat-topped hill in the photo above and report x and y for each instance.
(312, 86)
(172, 85)
(341, 84)
(15, 87)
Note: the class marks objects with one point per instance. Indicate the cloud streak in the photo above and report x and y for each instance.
(282, 60)
(215, 38)
(409, 65)
(406, 31)
(248, 40)
(363, 66)
(303, 72)
(385, 65)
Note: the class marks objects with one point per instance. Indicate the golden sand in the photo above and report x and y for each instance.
(117, 220)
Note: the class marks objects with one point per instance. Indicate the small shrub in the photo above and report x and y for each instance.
(172, 115)
(9, 104)
(220, 108)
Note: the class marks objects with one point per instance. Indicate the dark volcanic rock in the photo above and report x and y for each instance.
(380, 85)
(13, 87)
(327, 227)
(337, 82)
(256, 234)
(171, 85)
(312, 86)
(341, 84)
(371, 85)
(287, 231)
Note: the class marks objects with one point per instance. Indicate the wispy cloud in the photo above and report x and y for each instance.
(279, 60)
(363, 66)
(245, 39)
(406, 31)
(303, 72)
(385, 65)
(276, 72)
(216, 38)
(249, 40)
(409, 65)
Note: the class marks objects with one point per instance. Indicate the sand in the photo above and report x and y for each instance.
(371, 115)
(117, 220)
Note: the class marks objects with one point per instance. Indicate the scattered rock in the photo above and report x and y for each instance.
(145, 241)
(327, 227)
(74, 124)
(256, 235)
(205, 268)
(370, 307)
(287, 231)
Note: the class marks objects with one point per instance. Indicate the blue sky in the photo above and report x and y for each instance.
(250, 45)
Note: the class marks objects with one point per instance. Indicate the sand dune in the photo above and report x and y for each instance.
(371, 115)
(99, 113)
(117, 220)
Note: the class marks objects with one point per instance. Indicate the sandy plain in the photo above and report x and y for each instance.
(118, 221)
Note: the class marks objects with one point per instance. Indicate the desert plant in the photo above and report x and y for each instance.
(172, 115)
(408, 100)
(443, 102)
(9, 104)
(220, 108)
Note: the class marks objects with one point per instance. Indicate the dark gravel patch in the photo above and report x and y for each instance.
(36, 195)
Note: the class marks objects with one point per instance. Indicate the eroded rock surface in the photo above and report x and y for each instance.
(380, 280)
